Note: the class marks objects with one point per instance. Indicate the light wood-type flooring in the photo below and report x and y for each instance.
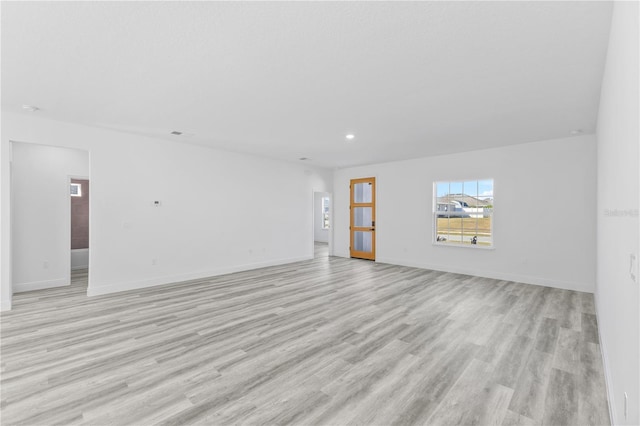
(330, 341)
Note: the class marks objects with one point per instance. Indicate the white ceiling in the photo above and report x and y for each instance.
(290, 79)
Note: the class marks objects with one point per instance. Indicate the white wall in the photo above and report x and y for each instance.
(5, 225)
(41, 213)
(544, 212)
(221, 211)
(319, 234)
(617, 296)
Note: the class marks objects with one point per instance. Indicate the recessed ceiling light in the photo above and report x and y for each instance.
(304, 159)
(350, 136)
(176, 133)
(30, 108)
(576, 131)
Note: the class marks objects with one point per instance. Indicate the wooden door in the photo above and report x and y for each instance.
(363, 218)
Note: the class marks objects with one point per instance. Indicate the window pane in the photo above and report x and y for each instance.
(362, 192)
(485, 191)
(442, 238)
(470, 189)
(362, 216)
(362, 241)
(469, 229)
(485, 230)
(442, 189)
(442, 229)
(455, 189)
(480, 228)
(450, 228)
(442, 199)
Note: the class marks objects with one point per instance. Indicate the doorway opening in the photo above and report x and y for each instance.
(321, 224)
(79, 191)
(42, 185)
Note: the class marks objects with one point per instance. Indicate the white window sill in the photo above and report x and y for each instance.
(469, 246)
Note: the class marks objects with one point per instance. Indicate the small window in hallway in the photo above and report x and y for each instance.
(76, 190)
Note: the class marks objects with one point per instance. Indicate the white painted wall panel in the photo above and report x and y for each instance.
(617, 295)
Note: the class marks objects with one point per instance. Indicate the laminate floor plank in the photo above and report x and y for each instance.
(530, 390)
(329, 341)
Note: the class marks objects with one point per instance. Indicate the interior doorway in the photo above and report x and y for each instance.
(363, 218)
(321, 224)
(41, 246)
(79, 192)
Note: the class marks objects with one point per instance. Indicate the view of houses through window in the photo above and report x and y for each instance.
(463, 212)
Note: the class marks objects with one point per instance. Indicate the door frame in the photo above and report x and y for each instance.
(68, 214)
(352, 228)
(313, 221)
(65, 280)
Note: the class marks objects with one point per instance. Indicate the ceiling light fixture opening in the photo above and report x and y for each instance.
(350, 136)
(304, 159)
(176, 133)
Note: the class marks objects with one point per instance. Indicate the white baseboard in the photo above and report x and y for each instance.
(607, 371)
(546, 282)
(172, 279)
(5, 305)
(40, 285)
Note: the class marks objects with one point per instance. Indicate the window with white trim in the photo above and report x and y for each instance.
(76, 190)
(463, 213)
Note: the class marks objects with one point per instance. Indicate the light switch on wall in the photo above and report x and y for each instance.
(633, 266)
